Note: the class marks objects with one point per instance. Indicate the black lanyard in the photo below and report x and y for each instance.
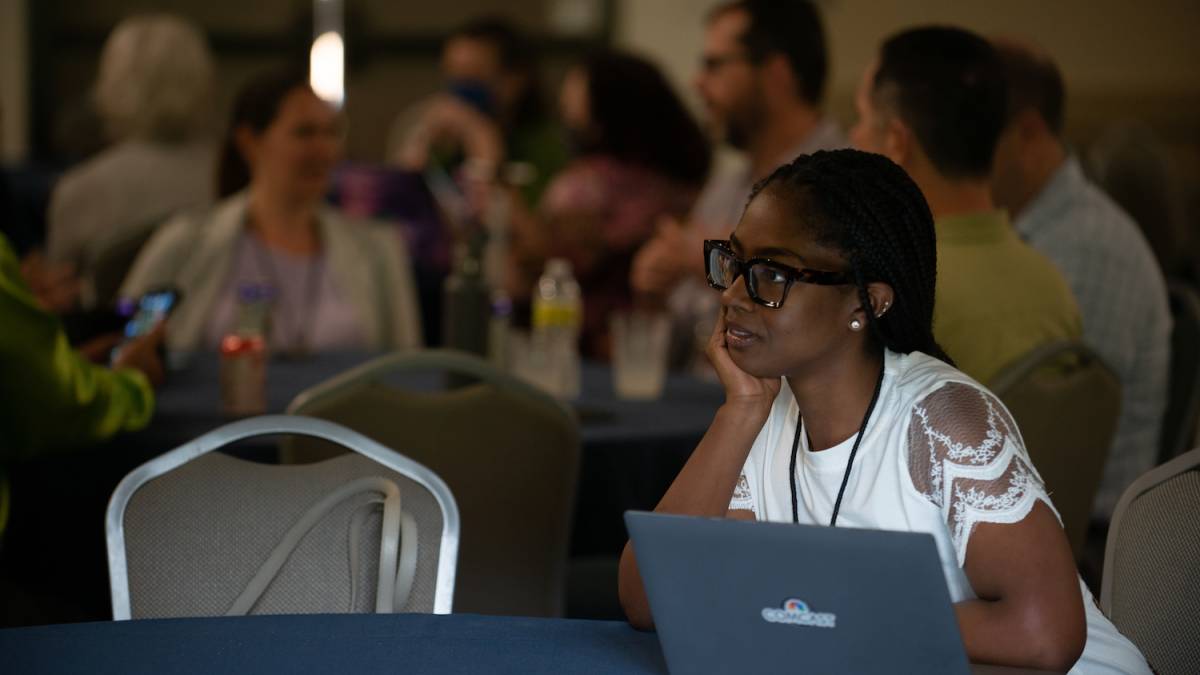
(862, 430)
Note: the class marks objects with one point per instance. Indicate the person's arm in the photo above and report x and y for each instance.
(51, 395)
(447, 119)
(965, 456)
(1029, 612)
(672, 254)
(705, 484)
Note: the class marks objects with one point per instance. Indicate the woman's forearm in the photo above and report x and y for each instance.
(703, 488)
(705, 484)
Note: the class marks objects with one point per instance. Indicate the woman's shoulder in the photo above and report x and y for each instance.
(584, 184)
(369, 239)
(918, 376)
(938, 401)
(952, 420)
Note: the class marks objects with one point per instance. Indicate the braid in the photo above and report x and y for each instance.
(867, 207)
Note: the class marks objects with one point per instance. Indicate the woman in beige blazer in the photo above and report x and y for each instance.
(334, 283)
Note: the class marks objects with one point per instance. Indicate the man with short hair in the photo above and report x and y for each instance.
(934, 102)
(1101, 252)
(762, 78)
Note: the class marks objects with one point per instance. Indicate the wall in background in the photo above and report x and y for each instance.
(14, 81)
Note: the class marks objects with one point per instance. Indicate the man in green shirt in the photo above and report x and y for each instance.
(934, 102)
(51, 396)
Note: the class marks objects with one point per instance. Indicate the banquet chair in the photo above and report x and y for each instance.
(1151, 585)
(1065, 402)
(509, 452)
(1183, 397)
(200, 533)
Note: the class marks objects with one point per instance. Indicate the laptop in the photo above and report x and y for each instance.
(746, 597)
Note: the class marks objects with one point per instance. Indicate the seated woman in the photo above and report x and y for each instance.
(335, 283)
(639, 156)
(841, 409)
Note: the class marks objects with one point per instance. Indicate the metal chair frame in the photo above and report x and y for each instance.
(272, 425)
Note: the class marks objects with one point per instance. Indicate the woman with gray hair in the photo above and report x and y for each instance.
(154, 93)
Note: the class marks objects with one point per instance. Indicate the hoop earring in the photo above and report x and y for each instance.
(855, 325)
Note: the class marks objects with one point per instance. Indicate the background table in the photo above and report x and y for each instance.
(631, 453)
(361, 644)
(632, 450)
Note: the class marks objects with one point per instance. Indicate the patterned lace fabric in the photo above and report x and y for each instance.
(966, 457)
(743, 499)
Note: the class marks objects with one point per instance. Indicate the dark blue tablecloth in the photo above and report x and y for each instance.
(362, 644)
(189, 404)
(343, 643)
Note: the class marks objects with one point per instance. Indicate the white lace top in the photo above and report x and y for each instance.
(940, 455)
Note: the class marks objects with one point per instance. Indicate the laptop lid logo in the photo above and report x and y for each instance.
(796, 612)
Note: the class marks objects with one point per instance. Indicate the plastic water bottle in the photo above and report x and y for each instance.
(244, 354)
(557, 320)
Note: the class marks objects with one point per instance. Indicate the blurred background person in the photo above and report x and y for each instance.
(335, 283)
(762, 79)
(1105, 258)
(491, 111)
(154, 93)
(934, 102)
(638, 156)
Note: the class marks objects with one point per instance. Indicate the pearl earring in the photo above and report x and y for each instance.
(855, 325)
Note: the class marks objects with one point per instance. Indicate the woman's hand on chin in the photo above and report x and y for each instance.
(741, 388)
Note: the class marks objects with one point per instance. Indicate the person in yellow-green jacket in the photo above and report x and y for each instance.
(51, 396)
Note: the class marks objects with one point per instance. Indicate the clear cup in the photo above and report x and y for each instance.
(640, 348)
(538, 358)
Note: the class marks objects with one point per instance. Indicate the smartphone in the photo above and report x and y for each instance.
(144, 314)
(151, 308)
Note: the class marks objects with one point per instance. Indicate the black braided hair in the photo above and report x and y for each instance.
(868, 208)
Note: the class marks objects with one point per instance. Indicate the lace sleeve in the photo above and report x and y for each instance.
(966, 456)
(743, 498)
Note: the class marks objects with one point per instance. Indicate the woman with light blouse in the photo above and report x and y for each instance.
(333, 283)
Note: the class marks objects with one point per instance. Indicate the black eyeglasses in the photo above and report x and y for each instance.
(767, 281)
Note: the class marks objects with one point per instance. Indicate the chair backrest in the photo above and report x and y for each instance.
(1183, 399)
(107, 267)
(1065, 401)
(194, 533)
(1151, 585)
(509, 452)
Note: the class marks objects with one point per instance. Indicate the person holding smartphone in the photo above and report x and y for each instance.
(52, 396)
(842, 410)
